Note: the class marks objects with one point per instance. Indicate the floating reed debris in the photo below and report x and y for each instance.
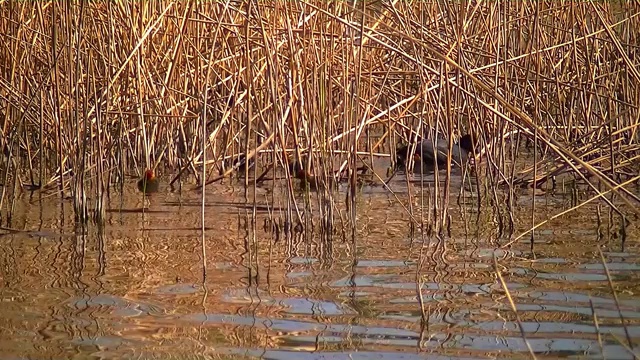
(95, 92)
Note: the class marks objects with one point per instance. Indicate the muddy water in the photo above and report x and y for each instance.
(136, 289)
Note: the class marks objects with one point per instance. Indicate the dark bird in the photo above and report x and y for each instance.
(426, 155)
(239, 163)
(149, 183)
(296, 169)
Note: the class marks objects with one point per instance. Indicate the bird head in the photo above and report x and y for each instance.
(149, 174)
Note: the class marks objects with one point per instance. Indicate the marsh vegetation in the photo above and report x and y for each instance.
(302, 106)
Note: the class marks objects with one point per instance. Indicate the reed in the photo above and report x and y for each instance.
(95, 92)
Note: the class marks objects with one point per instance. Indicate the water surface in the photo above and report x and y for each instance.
(136, 289)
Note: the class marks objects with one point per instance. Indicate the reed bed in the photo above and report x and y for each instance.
(92, 93)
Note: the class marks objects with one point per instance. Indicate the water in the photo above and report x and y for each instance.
(136, 289)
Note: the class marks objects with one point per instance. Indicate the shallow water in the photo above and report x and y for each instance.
(136, 289)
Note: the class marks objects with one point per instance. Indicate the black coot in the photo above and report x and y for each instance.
(426, 155)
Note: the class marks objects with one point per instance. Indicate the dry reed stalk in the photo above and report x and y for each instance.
(615, 298)
(513, 307)
(596, 324)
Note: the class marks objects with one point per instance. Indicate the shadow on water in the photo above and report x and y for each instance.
(135, 290)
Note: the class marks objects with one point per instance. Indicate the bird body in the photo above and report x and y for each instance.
(428, 154)
(239, 163)
(297, 170)
(149, 183)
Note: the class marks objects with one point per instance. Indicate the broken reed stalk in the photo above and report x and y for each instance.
(596, 325)
(615, 298)
(513, 306)
(315, 77)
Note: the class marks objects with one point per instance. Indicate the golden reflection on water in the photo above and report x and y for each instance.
(136, 289)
